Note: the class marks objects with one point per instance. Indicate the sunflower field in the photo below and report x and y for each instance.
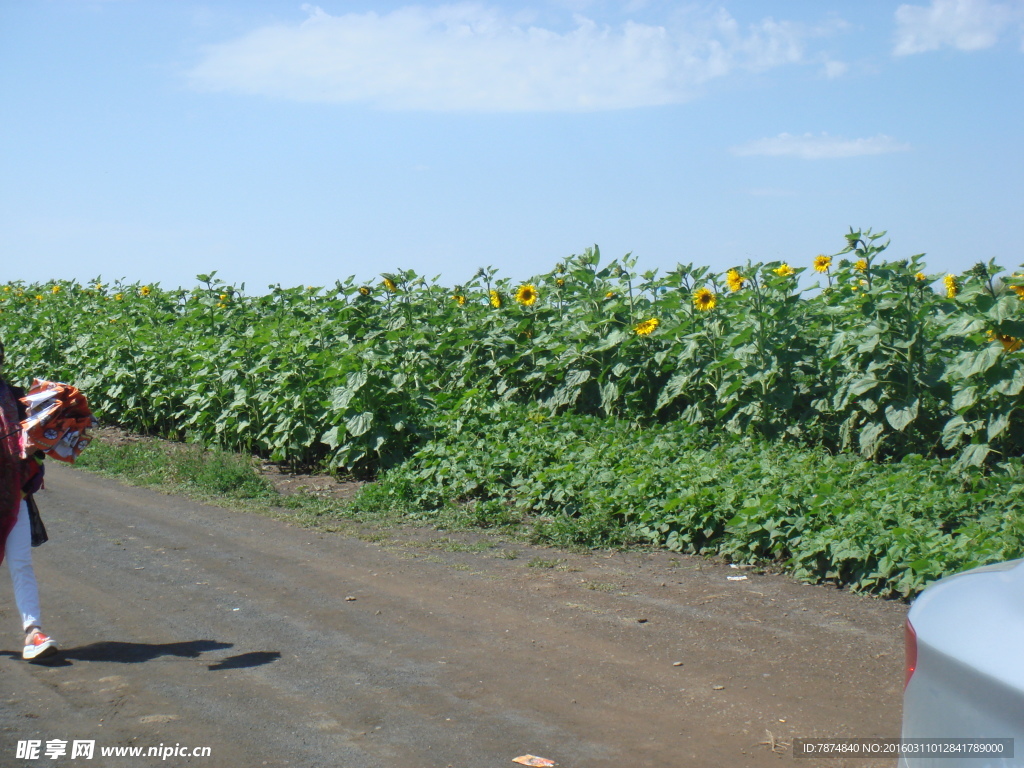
(844, 356)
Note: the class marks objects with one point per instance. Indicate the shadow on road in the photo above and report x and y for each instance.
(247, 660)
(137, 653)
(128, 653)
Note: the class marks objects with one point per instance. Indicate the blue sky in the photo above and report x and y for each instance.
(282, 142)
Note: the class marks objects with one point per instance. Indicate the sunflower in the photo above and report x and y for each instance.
(527, 295)
(55, 290)
(459, 299)
(822, 263)
(560, 283)
(389, 285)
(704, 299)
(1019, 290)
(364, 291)
(39, 297)
(920, 277)
(145, 290)
(610, 295)
(646, 327)
(223, 297)
(495, 299)
(861, 265)
(734, 280)
(952, 287)
(118, 296)
(1010, 343)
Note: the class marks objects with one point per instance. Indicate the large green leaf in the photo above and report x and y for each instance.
(359, 424)
(901, 415)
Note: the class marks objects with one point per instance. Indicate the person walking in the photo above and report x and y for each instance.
(19, 478)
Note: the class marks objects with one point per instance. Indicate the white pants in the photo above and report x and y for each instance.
(19, 562)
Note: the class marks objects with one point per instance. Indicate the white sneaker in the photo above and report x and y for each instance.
(39, 646)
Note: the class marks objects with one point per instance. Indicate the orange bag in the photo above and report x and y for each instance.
(57, 422)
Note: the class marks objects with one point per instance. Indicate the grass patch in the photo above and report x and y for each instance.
(602, 586)
(451, 545)
(207, 473)
(540, 562)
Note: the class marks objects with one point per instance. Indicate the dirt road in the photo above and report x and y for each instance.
(190, 625)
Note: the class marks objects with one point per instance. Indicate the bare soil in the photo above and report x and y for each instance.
(274, 645)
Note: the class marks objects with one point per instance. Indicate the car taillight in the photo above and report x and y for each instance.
(910, 645)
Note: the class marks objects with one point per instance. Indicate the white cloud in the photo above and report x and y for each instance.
(823, 147)
(834, 69)
(967, 25)
(472, 57)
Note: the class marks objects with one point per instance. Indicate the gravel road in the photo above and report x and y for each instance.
(274, 645)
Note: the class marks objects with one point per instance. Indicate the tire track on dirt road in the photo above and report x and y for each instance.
(274, 645)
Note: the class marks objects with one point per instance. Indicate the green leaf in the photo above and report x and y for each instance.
(359, 424)
(955, 431)
(332, 437)
(870, 439)
(997, 424)
(341, 397)
(609, 394)
(964, 326)
(862, 385)
(973, 455)
(984, 360)
(965, 398)
(901, 415)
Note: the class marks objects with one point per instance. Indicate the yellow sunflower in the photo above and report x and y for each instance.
(55, 290)
(364, 291)
(920, 276)
(560, 283)
(527, 295)
(734, 280)
(1019, 290)
(389, 285)
(1010, 343)
(610, 295)
(145, 290)
(495, 299)
(861, 265)
(784, 271)
(704, 299)
(118, 296)
(952, 287)
(822, 263)
(459, 299)
(646, 327)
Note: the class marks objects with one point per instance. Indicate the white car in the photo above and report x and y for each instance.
(965, 671)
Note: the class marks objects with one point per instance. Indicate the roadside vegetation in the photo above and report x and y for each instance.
(866, 429)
